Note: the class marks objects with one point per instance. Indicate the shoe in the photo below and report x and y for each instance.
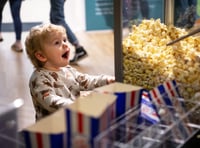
(79, 55)
(1, 37)
(16, 48)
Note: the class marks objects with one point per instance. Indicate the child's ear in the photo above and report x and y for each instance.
(40, 56)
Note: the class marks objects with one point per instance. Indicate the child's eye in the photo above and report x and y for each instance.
(57, 42)
(65, 40)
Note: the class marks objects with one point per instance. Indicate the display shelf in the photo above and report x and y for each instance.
(175, 129)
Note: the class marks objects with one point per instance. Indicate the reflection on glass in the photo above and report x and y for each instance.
(185, 13)
(134, 10)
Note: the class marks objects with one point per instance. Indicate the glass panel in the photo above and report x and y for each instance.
(136, 10)
(147, 28)
(148, 61)
(185, 13)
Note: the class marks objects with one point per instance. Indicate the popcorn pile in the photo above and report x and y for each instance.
(148, 62)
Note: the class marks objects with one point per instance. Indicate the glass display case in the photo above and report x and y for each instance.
(127, 13)
(142, 31)
(173, 132)
(9, 124)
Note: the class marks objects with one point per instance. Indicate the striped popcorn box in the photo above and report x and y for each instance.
(167, 94)
(87, 117)
(128, 96)
(49, 132)
(148, 109)
(166, 97)
(74, 126)
(163, 94)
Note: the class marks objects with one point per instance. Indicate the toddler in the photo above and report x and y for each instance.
(54, 83)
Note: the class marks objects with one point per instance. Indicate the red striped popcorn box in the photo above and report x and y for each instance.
(148, 110)
(128, 96)
(167, 99)
(74, 126)
(49, 132)
(87, 117)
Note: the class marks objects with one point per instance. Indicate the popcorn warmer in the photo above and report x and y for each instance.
(141, 55)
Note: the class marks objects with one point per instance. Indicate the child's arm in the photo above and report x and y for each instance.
(44, 94)
(50, 101)
(89, 82)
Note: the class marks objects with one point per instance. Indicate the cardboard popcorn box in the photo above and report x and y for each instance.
(73, 126)
(49, 132)
(128, 96)
(89, 116)
(167, 97)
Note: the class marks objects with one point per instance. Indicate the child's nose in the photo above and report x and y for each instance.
(65, 44)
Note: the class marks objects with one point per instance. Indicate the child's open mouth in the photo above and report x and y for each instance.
(65, 55)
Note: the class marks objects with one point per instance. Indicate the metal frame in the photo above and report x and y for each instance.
(118, 55)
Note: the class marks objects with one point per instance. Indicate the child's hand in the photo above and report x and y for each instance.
(110, 80)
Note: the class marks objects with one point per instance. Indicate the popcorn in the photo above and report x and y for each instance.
(148, 62)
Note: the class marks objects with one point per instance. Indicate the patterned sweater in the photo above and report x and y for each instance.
(51, 90)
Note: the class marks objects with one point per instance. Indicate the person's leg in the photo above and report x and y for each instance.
(192, 2)
(2, 4)
(57, 17)
(15, 7)
(144, 7)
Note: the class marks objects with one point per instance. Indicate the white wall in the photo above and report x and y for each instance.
(38, 11)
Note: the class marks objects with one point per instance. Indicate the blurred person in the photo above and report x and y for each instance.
(185, 13)
(15, 7)
(57, 16)
(55, 84)
(133, 9)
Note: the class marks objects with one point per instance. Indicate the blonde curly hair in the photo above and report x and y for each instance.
(37, 37)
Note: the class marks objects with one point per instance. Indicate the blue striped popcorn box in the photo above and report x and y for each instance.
(128, 96)
(88, 117)
(49, 132)
(148, 109)
(73, 126)
(171, 109)
(164, 93)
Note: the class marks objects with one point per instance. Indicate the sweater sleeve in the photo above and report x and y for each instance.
(44, 95)
(89, 82)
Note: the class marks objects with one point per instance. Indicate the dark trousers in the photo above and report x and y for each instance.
(57, 16)
(15, 7)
